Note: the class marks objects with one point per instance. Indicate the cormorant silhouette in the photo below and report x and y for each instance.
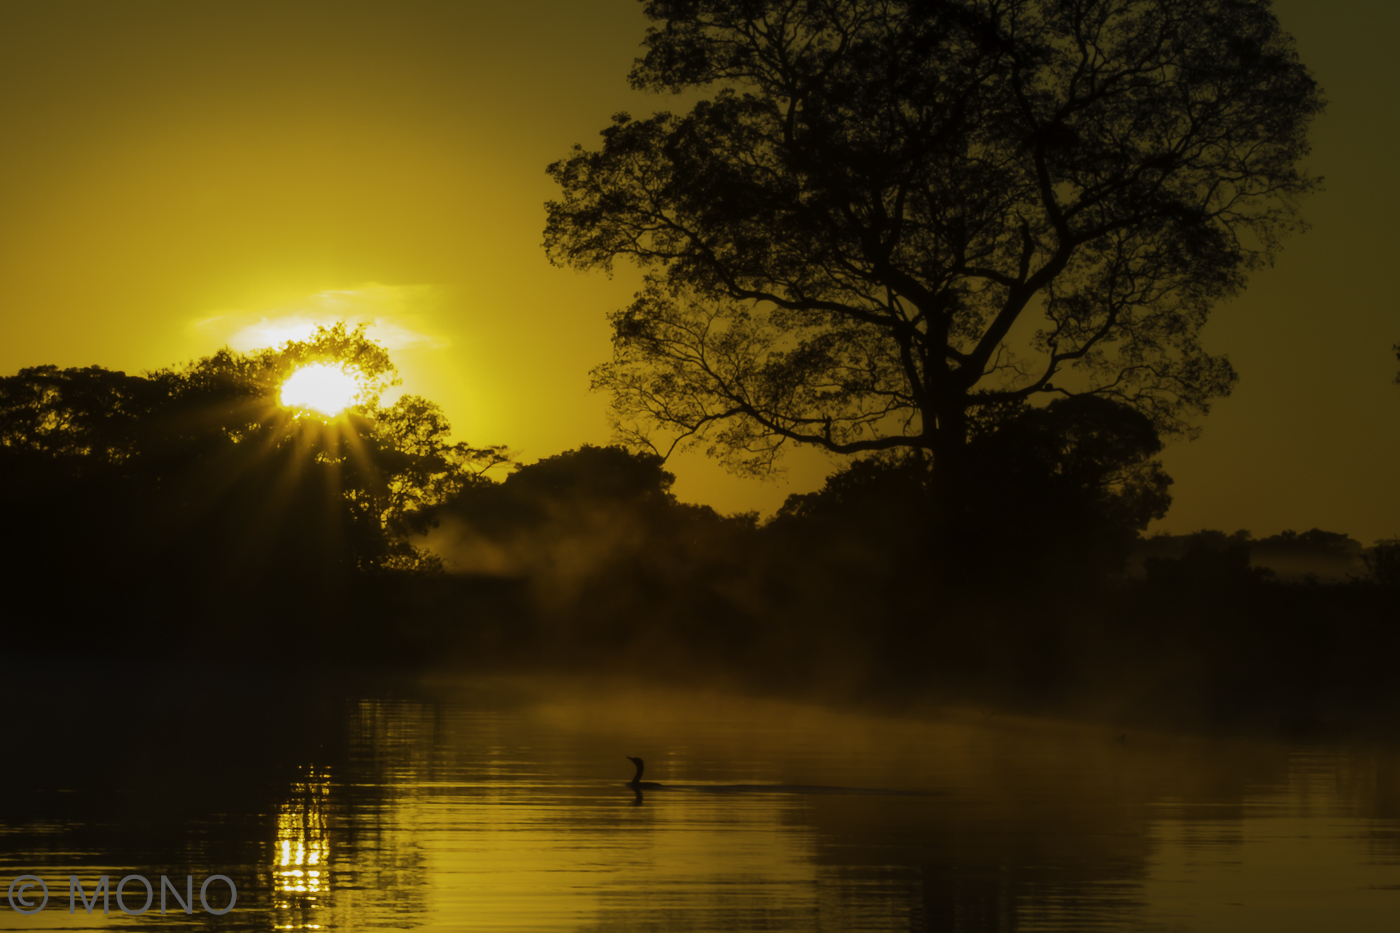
(637, 783)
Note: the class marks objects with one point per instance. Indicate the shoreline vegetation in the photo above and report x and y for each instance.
(183, 517)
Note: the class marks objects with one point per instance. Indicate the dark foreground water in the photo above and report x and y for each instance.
(498, 806)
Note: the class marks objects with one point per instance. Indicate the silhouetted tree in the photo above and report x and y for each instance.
(193, 484)
(1314, 541)
(606, 484)
(1384, 562)
(890, 217)
(876, 490)
(1311, 556)
(601, 475)
(1064, 490)
(1059, 492)
(1213, 565)
(73, 413)
(613, 561)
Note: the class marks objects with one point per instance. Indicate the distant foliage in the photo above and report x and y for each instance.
(191, 484)
(1384, 562)
(1052, 495)
(1214, 565)
(612, 562)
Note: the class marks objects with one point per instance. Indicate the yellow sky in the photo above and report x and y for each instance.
(176, 176)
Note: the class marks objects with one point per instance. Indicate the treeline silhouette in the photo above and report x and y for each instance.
(1061, 604)
(185, 514)
(186, 511)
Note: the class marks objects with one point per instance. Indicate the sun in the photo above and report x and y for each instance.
(327, 388)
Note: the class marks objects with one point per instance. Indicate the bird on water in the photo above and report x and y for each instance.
(637, 783)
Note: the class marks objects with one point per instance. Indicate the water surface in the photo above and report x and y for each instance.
(504, 806)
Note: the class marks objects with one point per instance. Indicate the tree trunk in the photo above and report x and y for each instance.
(948, 496)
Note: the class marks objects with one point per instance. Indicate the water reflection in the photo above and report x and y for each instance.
(493, 810)
(301, 867)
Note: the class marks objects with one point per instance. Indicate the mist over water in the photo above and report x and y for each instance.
(504, 805)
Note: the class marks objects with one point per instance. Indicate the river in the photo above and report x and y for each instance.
(504, 805)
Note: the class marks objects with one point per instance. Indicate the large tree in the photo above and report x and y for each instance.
(884, 222)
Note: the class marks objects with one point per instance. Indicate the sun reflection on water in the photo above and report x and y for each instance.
(301, 858)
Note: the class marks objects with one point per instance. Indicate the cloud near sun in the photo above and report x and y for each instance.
(394, 313)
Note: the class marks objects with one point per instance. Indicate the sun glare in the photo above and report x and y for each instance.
(326, 388)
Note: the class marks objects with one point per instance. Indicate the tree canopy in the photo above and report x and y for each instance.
(885, 220)
(195, 479)
(1061, 491)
